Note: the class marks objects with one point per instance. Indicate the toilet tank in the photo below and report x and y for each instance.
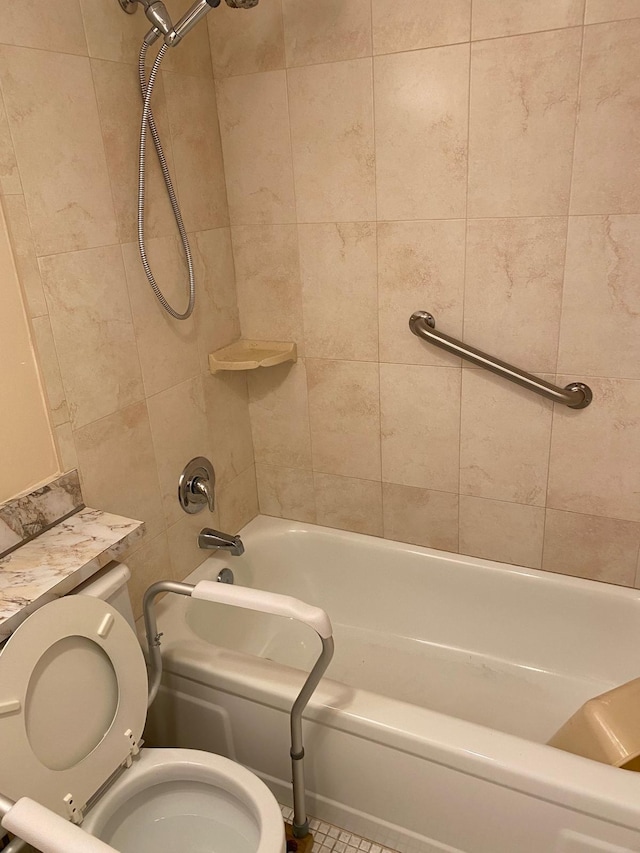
(110, 585)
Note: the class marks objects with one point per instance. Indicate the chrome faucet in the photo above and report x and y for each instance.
(214, 540)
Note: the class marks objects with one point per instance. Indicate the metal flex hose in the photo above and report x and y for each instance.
(146, 88)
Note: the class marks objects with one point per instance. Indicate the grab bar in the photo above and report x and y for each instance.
(576, 395)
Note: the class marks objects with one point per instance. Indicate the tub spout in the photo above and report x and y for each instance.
(213, 540)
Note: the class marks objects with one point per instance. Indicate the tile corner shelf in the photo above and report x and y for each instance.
(248, 355)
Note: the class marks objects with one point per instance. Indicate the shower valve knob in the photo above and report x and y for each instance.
(196, 485)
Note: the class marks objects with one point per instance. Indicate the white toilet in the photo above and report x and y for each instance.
(73, 703)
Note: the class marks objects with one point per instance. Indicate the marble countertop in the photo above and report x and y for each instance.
(59, 560)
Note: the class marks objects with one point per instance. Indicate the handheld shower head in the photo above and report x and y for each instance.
(190, 19)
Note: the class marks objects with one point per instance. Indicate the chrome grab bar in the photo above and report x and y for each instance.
(576, 395)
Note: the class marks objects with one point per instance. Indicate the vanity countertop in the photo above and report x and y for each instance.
(59, 560)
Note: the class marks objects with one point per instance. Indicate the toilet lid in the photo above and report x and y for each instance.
(73, 702)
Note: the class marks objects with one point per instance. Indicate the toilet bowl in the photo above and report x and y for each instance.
(73, 702)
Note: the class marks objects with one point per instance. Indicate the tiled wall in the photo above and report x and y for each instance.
(477, 159)
(128, 388)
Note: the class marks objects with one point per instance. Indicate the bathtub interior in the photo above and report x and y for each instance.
(512, 649)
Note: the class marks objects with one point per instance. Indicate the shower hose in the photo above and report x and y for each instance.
(146, 88)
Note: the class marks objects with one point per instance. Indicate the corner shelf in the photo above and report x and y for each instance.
(248, 355)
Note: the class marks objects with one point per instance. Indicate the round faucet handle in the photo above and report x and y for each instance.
(196, 486)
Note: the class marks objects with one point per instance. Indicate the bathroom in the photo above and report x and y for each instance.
(339, 166)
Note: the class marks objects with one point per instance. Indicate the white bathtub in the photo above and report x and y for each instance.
(449, 675)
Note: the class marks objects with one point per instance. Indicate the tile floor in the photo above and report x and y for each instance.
(331, 839)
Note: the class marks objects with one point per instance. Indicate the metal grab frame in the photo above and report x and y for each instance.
(576, 395)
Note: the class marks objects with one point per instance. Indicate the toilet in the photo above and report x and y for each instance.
(73, 704)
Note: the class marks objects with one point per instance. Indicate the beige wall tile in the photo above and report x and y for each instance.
(595, 452)
(510, 17)
(349, 504)
(339, 290)
(118, 97)
(606, 170)
(611, 10)
(183, 542)
(229, 426)
(600, 333)
(268, 282)
(24, 254)
(331, 110)
(93, 331)
(178, 420)
(280, 415)
(54, 25)
(238, 502)
(254, 125)
(9, 175)
(421, 133)
(149, 563)
(50, 370)
(344, 413)
(216, 312)
(513, 289)
(420, 516)
(51, 106)
(286, 493)
(420, 410)
(418, 24)
(585, 546)
(326, 31)
(246, 43)
(505, 434)
(112, 34)
(168, 348)
(420, 267)
(522, 122)
(507, 532)
(66, 447)
(195, 136)
(119, 467)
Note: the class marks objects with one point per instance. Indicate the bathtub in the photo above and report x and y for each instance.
(450, 673)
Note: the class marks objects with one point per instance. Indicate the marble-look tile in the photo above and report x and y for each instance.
(228, 424)
(280, 415)
(421, 133)
(55, 24)
(496, 530)
(598, 11)
(168, 348)
(606, 173)
(349, 504)
(148, 564)
(9, 539)
(183, 542)
(522, 122)
(600, 333)
(111, 34)
(10, 182)
(420, 411)
(513, 289)
(118, 466)
(268, 282)
(179, 428)
(50, 370)
(420, 267)
(216, 312)
(246, 43)
(53, 115)
(595, 452)
(286, 493)
(331, 109)
(420, 516)
(416, 24)
(24, 254)
(586, 546)
(118, 96)
(344, 415)
(326, 31)
(512, 17)
(66, 447)
(505, 434)
(254, 126)
(238, 502)
(339, 290)
(93, 331)
(197, 150)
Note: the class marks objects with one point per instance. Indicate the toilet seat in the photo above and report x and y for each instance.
(73, 703)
